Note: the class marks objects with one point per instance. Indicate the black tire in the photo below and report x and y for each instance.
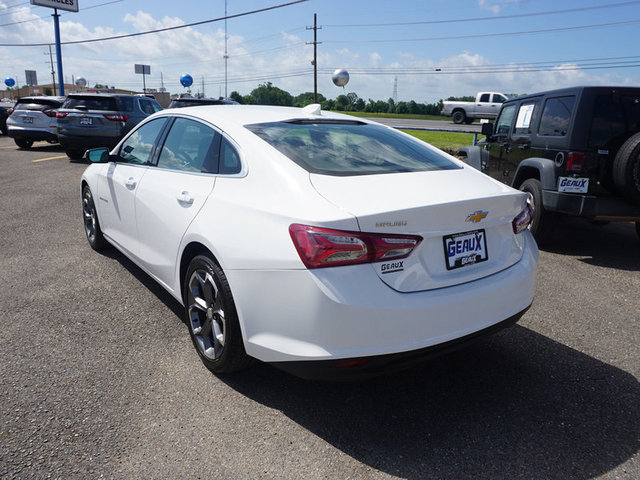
(5, 131)
(74, 154)
(215, 331)
(459, 117)
(626, 169)
(543, 222)
(91, 223)
(22, 143)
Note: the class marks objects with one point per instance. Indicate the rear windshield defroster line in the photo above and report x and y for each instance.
(347, 148)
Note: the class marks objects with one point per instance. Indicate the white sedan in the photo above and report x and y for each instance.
(323, 244)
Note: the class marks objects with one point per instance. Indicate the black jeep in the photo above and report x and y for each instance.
(576, 151)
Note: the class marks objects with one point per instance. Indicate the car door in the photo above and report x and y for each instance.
(482, 104)
(500, 146)
(118, 184)
(173, 192)
(518, 146)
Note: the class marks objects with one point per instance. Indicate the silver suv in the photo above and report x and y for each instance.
(89, 120)
(33, 119)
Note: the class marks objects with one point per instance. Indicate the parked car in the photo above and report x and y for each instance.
(323, 244)
(88, 120)
(33, 119)
(575, 151)
(3, 120)
(193, 101)
(487, 105)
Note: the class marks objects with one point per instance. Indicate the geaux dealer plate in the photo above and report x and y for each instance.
(463, 249)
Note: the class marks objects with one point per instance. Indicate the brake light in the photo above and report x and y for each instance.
(522, 221)
(117, 117)
(323, 247)
(50, 113)
(575, 161)
(10, 111)
(60, 114)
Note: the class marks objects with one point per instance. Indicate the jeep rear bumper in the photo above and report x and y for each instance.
(612, 209)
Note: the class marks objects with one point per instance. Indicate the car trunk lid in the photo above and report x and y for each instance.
(464, 218)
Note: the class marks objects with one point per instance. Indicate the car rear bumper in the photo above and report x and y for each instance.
(86, 142)
(590, 206)
(349, 313)
(34, 135)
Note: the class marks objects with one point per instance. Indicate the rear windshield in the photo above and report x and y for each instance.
(613, 116)
(36, 104)
(92, 103)
(349, 148)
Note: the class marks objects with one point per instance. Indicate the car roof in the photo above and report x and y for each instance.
(240, 115)
(37, 98)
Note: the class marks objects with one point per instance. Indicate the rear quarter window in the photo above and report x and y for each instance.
(350, 148)
(556, 116)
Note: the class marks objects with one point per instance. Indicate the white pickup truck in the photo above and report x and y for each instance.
(487, 105)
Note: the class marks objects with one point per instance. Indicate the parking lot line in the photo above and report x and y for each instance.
(10, 146)
(48, 158)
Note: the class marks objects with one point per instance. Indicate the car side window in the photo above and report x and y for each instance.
(484, 97)
(556, 116)
(138, 148)
(188, 147)
(149, 106)
(497, 98)
(503, 124)
(526, 119)
(229, 158)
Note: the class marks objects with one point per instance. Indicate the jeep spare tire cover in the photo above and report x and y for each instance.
(626, 169)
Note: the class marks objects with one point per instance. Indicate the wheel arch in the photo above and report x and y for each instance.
(541, 169)
(190, 251)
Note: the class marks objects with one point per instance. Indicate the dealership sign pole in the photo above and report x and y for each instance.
(70, 6)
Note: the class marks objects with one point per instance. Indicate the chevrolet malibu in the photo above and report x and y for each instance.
(328, 246)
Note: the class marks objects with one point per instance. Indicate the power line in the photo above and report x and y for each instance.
(166, 29)
(498, 17)
(487, 35)
(62, 13)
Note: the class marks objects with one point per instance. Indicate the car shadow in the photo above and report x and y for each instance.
(614, 245)
(44, 147)
(517, 405)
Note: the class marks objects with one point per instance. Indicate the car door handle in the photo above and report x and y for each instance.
(131, 183)
(185, 198)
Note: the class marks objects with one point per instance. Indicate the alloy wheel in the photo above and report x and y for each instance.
(206, 314)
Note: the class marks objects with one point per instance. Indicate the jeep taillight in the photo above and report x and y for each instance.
(50, 113)
(117, 117)
(60, 114)
(323, 247)
(576, 161)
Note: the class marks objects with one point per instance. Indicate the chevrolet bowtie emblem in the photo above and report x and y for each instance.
(476, 216)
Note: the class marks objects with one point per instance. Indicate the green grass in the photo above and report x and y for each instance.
(447, 141)
(408, 116)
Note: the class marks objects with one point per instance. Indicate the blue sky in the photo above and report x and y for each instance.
(435, 48)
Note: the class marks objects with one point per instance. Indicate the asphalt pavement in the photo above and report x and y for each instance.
(99, 378)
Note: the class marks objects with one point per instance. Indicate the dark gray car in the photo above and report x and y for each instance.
(88, 120)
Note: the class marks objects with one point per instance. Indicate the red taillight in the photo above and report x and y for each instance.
(117, 117)
(60, 114)
(50, 113)
(323, 247)
(10, 111)
(575, 161)
(522, 221)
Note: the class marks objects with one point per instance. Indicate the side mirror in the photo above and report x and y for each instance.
(98, 155)
(487, 129)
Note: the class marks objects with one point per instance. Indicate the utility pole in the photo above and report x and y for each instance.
(315, 56)
(53, 72)
(226, 55)
(56, 30)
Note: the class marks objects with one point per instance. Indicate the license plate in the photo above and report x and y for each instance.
(27, 119)
(464, 249)
(86, 121)
(573, 185)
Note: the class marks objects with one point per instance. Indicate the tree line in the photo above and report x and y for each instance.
(269, 94)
